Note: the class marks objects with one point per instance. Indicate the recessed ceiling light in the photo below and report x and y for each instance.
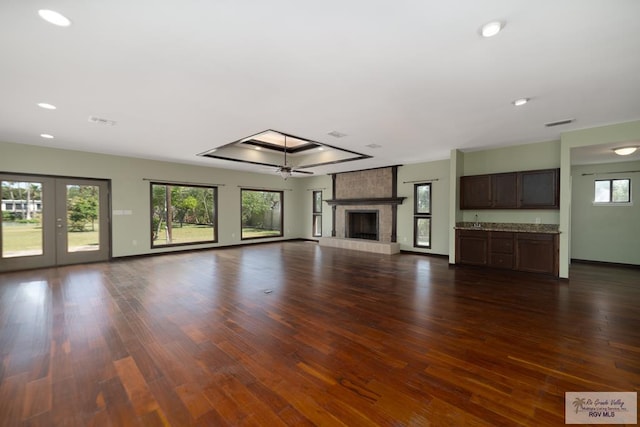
(491, 29)
(46, 136)
(55, 18)
(625, 151)
(46, 106)
(520, 102)
(320, 148)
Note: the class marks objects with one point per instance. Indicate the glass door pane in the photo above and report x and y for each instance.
(83, 218)
(27, 236)
(22, 231)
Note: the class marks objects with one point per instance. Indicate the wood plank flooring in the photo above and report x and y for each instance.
(294, 334)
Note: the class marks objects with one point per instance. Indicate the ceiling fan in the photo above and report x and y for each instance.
(285, 170)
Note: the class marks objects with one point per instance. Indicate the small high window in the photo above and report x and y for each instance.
(612, 191)
(422, 215)
(317, 214)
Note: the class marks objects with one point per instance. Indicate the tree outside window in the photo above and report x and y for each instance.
(612, 191)
(422, 216)
(317, 213)
(261, 214)
(82, 207)
(183, 214)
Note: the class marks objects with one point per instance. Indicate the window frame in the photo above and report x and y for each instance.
(316, 219)
(214, 214)
(610, 202)
(262, 190)
(419, 214)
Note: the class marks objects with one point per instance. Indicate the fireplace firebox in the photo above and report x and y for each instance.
(362, 224)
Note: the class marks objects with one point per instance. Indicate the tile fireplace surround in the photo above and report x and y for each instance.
(367, 190)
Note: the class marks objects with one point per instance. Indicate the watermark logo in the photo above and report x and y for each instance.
(595, 407)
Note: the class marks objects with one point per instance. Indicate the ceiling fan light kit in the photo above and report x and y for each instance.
(285, 172)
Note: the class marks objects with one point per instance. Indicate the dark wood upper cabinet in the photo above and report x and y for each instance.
(476, 192)
(539, 189)
(505, 190)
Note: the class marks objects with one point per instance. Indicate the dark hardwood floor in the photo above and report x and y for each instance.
(296, 334)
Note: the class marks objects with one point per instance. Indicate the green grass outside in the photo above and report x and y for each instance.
(28, 237)
(186, 234)
(190, 233)
(248, 232)
(17, 238)
(21, 237)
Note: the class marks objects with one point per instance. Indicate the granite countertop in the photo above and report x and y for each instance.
(509, 226)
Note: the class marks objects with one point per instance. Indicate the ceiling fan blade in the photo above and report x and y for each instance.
(300, 171)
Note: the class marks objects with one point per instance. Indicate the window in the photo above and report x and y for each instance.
(612, 191)
(261, 214)
(183, 214)
(317, 213)
(422, 215)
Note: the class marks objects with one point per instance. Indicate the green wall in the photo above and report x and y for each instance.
(306, 187)
(609, 233)
(130, 193)
(130, 190)
(622, 133)
(542, 155)
(438, 173)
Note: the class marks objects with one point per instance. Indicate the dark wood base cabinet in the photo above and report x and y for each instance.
(501, 252)
(531, 252)
(472, 247)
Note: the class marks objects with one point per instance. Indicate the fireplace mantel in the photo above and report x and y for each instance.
(367, 201)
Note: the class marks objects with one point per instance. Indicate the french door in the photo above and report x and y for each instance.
(48, 221)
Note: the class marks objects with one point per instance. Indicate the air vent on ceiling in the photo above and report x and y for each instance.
(373, 145)
(559, 122)
(336, 134)
(101, 121)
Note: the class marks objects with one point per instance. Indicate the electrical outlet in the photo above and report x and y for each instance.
(537, 220)
(134, 242)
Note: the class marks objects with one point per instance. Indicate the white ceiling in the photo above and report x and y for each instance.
(411, 76)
